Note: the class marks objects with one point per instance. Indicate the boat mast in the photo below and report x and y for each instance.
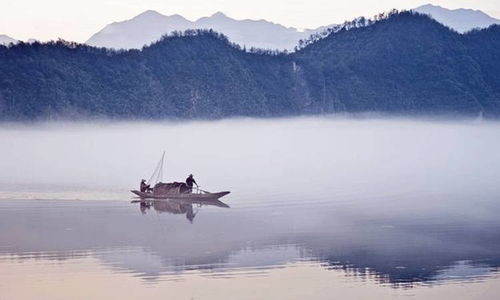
(158, 172)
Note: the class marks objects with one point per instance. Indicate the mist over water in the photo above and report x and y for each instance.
(300, 155)
(361, 203)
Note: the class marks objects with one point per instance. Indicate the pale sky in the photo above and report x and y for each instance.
(77, 20)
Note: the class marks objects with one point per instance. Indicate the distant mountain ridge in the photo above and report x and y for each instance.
(404, 63)
(461, 20)
(150, 26)
(6, 40)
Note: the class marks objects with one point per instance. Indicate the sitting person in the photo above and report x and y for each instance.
(145, 188)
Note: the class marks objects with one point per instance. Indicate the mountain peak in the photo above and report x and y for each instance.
(176, 16)
(7, 40)
(149, 14)
(461, 19)
(429, 5)
(218, 15)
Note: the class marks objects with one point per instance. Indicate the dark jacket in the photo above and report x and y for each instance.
(190, 180)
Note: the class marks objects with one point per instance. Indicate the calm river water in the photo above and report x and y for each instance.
(320, 208)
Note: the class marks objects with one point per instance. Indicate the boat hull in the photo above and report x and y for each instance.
(187, 196)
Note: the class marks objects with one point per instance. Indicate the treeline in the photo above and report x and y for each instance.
(400, 63)
(407, 64)
(347, 25)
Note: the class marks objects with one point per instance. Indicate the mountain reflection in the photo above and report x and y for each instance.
(392, 248)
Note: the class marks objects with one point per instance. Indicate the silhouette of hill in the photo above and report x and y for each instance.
(403, 63)
(461, 20)
(6, 40)
(406, 63)
(150, 26)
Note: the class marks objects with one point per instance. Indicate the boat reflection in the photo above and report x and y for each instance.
(187, 207)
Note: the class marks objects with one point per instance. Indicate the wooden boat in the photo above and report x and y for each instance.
(187, 196)
(175, 190)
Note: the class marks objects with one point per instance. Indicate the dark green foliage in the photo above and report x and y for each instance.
(403, 63)
(484, 47)
(406, 63)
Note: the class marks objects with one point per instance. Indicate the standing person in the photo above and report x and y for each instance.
(189, 182)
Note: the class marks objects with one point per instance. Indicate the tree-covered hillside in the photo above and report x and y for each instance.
(404, 63)
(198, 74)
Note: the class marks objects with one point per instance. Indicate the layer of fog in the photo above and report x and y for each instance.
(415, 193)
(298, 157)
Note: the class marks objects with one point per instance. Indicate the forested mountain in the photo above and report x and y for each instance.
(404, 63)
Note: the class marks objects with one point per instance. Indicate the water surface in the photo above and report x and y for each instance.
(359, 209)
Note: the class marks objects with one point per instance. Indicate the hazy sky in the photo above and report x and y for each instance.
(77, 20)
